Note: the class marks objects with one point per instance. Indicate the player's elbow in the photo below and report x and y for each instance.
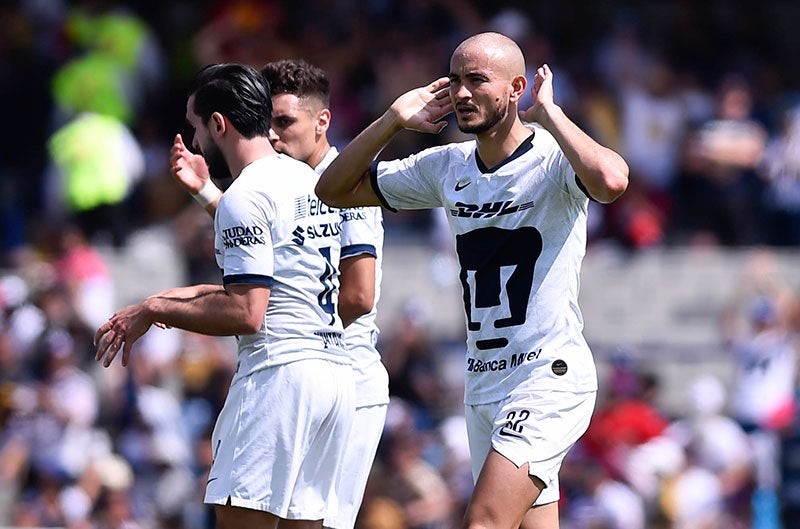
(354, 307)
(613, 183)
(340, 190)
(362, 305)
(249, 325)
(331, 197)
(324, 193)
(251, 320)
(327, 190)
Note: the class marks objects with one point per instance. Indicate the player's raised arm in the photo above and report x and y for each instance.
(345, 183)
(602, 170)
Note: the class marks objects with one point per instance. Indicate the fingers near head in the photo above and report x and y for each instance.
(439, 83)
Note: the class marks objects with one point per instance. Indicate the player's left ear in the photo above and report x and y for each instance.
(518, 85)
(323, 121)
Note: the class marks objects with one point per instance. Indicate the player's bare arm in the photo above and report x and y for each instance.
(357, 290)
(215, 311)
(186, 292)
(603, 171)
(345, 183)
(183, 293)
(191, 172)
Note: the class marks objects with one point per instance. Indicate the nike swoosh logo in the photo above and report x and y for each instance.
(210, 480)
(460, 186)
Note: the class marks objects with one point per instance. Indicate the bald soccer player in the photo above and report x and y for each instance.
(516, 199)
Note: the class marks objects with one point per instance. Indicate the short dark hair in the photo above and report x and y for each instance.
(298, 78)
(237, 91)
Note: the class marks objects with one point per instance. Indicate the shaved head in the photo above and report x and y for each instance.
(500, 51)
(487, 78)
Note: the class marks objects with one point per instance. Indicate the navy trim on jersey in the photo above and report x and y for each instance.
(583, 188)
(358, 249)
(373, 179)
(254, 279)
(524, 147)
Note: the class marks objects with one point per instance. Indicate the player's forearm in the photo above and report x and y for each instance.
(187, 292)
(342, 184)
(212, 311)
(602, 171)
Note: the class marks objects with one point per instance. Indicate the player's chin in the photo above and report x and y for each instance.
(472, 126)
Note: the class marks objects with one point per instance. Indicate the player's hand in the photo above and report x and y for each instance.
(120, 332)
(541, 93)
(422, 109)
(189, 169)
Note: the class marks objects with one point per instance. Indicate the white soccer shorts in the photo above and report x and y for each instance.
(279, 440)
(359, 455)
(537, 428)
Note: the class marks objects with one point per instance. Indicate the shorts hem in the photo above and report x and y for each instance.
(263, 507)
(548, 495)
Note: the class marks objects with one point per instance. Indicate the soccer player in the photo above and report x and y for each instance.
(516, 199)
(279, 439)
(300, 120)
(301, 117)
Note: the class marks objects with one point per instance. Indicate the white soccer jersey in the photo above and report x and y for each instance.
(362, 233)
(520, 231)
(271, 229)
(766, 371)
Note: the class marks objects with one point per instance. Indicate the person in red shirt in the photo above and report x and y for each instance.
(625, 420)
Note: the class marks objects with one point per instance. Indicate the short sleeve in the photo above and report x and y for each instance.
(409, 183)
(361, 231)
(244, 244)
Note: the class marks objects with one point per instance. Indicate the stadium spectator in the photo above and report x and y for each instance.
(780, 170)
(720, 158)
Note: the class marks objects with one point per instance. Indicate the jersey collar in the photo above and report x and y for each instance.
(524, 147)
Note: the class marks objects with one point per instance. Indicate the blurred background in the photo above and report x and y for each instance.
(689, 286)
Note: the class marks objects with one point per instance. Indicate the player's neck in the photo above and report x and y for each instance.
(247, 151)
(319, 154)
(496, 145)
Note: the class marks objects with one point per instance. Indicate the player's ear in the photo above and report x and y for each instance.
(518, 85)
(217, 124)
(323, 121)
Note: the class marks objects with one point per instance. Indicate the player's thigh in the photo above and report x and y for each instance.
(534, 430)
(503, 494)
(299, 524)
(230, 517)
(541, 517)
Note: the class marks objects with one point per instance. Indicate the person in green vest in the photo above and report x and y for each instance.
(96, 161)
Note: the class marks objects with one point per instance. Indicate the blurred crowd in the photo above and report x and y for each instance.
(700, 98)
